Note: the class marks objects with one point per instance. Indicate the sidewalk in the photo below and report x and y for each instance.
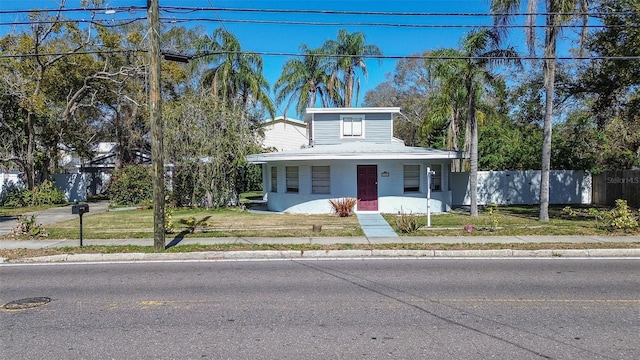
(59, 243)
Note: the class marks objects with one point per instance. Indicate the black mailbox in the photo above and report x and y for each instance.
(80, 209)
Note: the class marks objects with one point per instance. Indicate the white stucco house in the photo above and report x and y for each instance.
(352, 153)
(284, 134)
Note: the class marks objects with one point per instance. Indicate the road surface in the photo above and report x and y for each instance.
(349, 309)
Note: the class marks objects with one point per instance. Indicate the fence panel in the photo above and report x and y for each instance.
(617, 184)
(523, 187)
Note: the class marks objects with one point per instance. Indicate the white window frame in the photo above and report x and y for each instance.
(347, 129)
(411, 176)
(292, 179)
(321, 179)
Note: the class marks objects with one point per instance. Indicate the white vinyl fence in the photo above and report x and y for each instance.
(523, 187)
(74, 186)
(8, 179)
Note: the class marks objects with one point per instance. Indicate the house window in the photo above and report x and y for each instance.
(411, 178)
(274, 179)
(292, 179)
(437, 177)
(320, 180)
(352, 126)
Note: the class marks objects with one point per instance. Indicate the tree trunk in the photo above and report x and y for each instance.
(549, 82)
(29, 166)
(473, 150)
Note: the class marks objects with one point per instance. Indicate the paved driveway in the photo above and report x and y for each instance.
(51, 216)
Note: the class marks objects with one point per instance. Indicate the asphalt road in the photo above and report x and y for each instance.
(324, 309)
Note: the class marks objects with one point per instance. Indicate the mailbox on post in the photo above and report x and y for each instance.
(80, 209)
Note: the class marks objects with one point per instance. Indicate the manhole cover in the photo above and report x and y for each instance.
(26, 303)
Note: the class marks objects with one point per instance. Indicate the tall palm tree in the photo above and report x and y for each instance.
(471, 68)
(304, 79)
(236, 77)
(558, 13)
(350, 51)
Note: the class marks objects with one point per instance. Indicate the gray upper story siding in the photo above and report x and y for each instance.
(326, 129)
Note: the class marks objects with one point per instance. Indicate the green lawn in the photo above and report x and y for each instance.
(206, 223)
(511, 220)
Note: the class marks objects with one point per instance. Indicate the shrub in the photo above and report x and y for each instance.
(131, 185)
(621, 217)
(27, 226)
(344, 206)
(43, 194)
(492, 210)
(407, 223)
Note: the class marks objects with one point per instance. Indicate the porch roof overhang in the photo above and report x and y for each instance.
(358, 151)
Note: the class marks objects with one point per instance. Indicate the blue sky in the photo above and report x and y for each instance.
(287, 38)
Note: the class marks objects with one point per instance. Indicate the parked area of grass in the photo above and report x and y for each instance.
(205, 223)
(507, 221)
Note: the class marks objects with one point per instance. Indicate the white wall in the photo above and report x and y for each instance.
(285, 135)
(523, 187)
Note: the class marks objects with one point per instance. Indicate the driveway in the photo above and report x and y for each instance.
(51, 216)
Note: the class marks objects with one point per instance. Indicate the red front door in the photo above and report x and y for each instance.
(368, 187)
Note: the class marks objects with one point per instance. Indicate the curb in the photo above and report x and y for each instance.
(326, 254)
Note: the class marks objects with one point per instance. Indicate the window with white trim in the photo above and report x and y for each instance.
(292, 180)
(352, 126)
(411, 178)
(320, 180)
(274, 179)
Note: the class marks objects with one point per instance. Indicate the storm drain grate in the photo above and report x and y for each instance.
(27, 303)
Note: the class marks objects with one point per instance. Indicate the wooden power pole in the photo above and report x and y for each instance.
(155, 118)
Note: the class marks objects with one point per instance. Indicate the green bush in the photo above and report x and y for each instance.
(43, 194)
(407, 223)
(131, 185)
(621, 217)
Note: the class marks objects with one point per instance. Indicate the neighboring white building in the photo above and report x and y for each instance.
(284, 134)
(352, 153)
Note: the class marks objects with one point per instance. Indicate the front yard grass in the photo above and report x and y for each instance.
(507, 221)
(206, 223)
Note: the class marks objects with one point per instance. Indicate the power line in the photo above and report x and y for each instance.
(187, 9)
(103, 23)
(293, 54)
(425, 26)
(64, 10)
(174, 20)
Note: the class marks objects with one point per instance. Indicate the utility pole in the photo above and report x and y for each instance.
(155, 119)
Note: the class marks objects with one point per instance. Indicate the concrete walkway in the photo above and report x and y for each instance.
(375, 226)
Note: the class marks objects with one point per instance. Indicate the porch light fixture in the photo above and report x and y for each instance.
(385, 174)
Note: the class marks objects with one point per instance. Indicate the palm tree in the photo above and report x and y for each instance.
(558, 12)
(350, 51)
(236, 77)
(304, 79)
(470, 68)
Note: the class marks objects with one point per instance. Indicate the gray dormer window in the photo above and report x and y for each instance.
(352, 126)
